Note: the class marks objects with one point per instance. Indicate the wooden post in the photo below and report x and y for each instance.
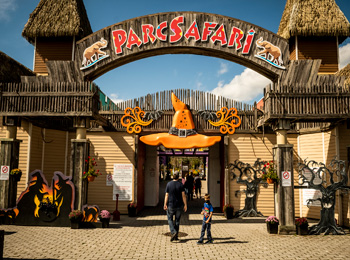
(80, 152)
(2, 238)
(283, 157)
(9, 157)
(80, 149)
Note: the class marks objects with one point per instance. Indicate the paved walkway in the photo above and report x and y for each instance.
(146, 237)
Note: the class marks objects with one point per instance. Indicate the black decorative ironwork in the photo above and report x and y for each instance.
(318, 176)
(251, 177)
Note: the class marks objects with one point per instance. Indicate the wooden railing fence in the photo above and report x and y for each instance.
(322, 102)
(52, 99)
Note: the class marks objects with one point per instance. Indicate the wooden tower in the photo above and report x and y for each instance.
(315, 29)
(53, 28)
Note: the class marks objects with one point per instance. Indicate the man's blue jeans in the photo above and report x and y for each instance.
(174, 225)
(206, 226)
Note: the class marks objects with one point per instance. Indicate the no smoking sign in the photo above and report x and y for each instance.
(4, 172)
(286, 179)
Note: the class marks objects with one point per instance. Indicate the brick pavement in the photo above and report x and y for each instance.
(144, 237)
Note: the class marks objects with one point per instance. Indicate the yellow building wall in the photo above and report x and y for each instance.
(22, 134)
(109, 148)
(248, 148)
(344, 147)
(320, 147)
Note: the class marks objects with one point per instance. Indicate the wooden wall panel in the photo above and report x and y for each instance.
(344, 147)
(293, 139)
(311, 148)
(247, 148)
(22, 134)
(60, 49)
(109, 148)
(324, 48)
(36, 148)
(55, 153)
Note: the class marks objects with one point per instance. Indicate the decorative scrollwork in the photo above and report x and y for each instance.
(228, 119)
(132, 120)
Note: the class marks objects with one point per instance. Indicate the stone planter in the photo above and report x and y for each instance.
(131, 211)
(75, 223)
(228, 213)
(272, 228)
(105, 222)
(302, 230)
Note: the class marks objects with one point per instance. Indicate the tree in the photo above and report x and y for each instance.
(251, 177)
(318, 176)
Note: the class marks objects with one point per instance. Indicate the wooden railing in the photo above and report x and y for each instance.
(323, 102)
(58, 99)
(195, 100)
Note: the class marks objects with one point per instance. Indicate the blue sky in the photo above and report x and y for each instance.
(167, 71)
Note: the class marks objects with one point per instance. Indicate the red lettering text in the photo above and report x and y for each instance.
(159, 31)
(119, 38)
(133, 39)
(248, 42)
(147, 33)
(193, 31)
(236, 38)
(175, 28)
(207, 30)
(219, 35)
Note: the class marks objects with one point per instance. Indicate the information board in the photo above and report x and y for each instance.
(122, 178)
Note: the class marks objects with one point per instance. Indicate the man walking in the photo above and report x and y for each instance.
(175, 200)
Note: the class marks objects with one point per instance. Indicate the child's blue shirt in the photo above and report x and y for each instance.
(207, 208)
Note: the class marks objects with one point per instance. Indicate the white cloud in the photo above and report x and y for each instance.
(344, 56)
(115, 99)
(5, 7)
(223, 68)
(244, 87)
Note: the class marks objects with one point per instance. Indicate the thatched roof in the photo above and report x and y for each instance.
(313, 18)
(11, 70)
(345, 72)
(56, 18)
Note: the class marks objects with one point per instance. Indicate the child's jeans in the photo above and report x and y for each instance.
(206, 226)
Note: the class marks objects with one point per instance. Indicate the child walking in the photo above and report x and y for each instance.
(207, 212)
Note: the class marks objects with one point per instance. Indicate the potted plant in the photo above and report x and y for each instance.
(302, 226)
(132, 209)
(228, 211)
(272, 223)
(91, 173)
(270, 173)
(16, 173)
(75, 217)
(105, 217)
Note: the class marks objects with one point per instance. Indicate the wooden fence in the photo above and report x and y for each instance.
(195, 101)
(58, 99)
(320, 102)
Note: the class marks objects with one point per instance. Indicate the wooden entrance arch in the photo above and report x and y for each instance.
(182, 33)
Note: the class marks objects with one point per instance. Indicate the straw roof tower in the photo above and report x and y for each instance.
(345, 72)
(53, 28)
(314, 29)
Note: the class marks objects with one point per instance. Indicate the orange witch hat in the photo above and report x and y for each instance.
(182, 134)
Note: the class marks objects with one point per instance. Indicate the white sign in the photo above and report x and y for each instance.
(4, 173)
(286, 177)
(312, 194)
(109, 180)
(122, 178)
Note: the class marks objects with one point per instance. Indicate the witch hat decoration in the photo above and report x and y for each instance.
(182, 134)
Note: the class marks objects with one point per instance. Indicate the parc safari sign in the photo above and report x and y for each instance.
(186, 33)
(174, 33)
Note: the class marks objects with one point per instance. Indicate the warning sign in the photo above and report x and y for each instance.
(286, 179)
(4, 173)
